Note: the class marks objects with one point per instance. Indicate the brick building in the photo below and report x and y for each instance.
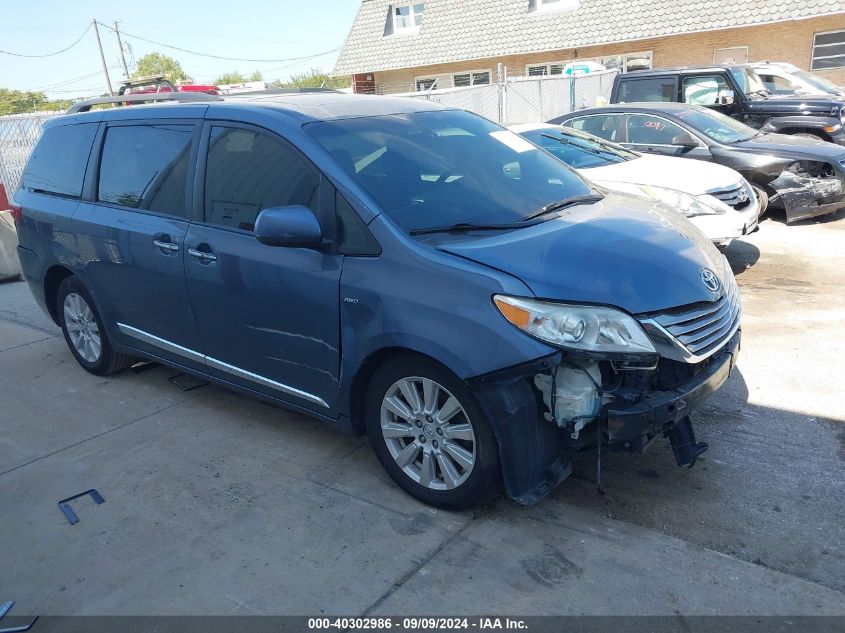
(407, 45)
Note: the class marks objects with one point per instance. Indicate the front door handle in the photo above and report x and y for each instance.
(166, 245)
(205, 257)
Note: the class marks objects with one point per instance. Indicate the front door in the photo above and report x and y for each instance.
(268, 317)
(131, 238)
(652, 134)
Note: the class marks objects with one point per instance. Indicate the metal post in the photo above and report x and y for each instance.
(500, 79)
(103, 59)
(120, 48)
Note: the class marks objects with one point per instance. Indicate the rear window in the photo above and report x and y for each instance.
(57, 164)
(145, 167)
(654, 89)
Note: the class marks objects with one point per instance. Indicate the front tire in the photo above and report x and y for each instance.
(431, 435)
(84, 332)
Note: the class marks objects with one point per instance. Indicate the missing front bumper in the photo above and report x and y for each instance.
(536, 455)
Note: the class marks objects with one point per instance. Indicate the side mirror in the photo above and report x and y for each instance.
(288, 226)
(726, 97)
(684, 141)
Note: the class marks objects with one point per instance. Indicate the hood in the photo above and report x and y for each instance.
(623, 251)
(667, 172)
(795, 147)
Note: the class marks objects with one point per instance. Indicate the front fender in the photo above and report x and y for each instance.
(816, 124)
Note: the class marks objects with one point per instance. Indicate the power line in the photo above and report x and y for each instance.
(233, 59)
(67, 48)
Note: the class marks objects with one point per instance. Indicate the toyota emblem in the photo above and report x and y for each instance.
(743, 196)
(709, 278)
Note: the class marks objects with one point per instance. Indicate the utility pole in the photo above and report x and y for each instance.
(120, 48)
(103, 58)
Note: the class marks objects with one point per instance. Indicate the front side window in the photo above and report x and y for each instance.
(407, 16)
(716, 125)
(660, 89)
(247, 172)
(430, 169)
(57, 164)
(645, 129)
(576, 149)
(705, 90)
(828, 50)
(607, 126)
(145, 167)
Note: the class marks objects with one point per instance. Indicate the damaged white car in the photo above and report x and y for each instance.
(717, 199)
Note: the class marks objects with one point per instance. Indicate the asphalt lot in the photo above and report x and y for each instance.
(219, 504)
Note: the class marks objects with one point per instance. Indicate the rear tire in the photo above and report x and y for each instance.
(431, 435)
(84, 332)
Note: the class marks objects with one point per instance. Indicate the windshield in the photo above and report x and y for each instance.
(749, 81)
(432, 169)
(716, 125)
(820, 83)
(577, 149)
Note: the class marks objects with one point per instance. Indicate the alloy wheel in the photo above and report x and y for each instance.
(428, 433)
(82, 327)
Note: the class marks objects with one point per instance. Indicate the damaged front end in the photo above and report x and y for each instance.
(547, 412)
(808, 188)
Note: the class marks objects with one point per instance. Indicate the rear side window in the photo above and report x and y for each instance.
(608, 127)
(705, 90)
(145, 167)
(247, 172)
(654, 89)
(57, 165)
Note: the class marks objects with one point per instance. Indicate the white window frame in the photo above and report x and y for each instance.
(563, 64)
(472, 74)
(814, 57)
(413, 27)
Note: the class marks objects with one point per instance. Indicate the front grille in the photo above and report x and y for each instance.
(733, 197)
(704, 328)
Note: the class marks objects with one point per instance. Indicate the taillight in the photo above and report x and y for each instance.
(17, 212)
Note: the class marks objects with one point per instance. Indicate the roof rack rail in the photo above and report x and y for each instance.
(182, 97)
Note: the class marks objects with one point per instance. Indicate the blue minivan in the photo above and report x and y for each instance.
(390, 266)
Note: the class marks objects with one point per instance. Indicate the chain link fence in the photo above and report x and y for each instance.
(526, 99)
(18, 135)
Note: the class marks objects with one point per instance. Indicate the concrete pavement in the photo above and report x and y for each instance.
(220, 504)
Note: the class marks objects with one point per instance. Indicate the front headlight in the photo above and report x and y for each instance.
(690, 206)
(585, 328)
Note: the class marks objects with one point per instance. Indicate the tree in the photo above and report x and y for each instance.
(19, 102)
(159, 64)
(256, 76)
(314, 78)
(233, 77)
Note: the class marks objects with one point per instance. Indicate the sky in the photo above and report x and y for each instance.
(251, 29)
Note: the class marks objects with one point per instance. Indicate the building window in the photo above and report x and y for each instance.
(828, 50)
(407, 16)
(424, 84)
(472, 78)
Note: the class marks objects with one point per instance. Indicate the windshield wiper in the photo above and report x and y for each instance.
(463, 227)
(584, 198)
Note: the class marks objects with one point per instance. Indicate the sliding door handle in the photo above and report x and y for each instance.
(166, 246)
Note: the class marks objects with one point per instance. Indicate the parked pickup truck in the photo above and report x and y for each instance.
(736, 90)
